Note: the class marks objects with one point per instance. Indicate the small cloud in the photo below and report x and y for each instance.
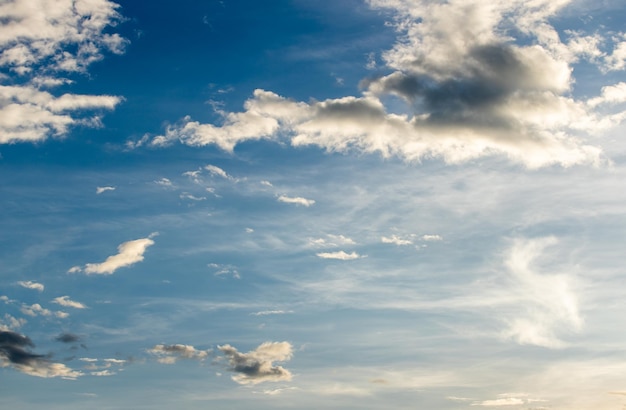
(225, 270)
(341, 255)
(296, 200)
(431, 238)
(396, 240)
(331, 240)
(67, 302)
(102, 189)
(186, 195)
(31, 285)
(67, 338)
(219, 172)
(508, 401)
(249, 230)
(128, 254)
(266, 183)
(257, 365)
(164, 182)
(271, 312)
(169, 354)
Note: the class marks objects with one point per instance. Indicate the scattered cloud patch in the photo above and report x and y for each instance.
(15, 352)
(341, 255)
(271, 312)
(217, 171)
(128, 254)
(67, 302)
(169, 354)
(164, 182)
(296, 200)
(431, 238)
(331, 241)
(186, 195)
(31, 285)
(257, 366)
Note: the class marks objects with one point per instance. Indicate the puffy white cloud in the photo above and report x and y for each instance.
(169, 354)
(128, 254)
(31, 285)
(214, 170)
(36, 309)
(40, 31)
(67, 302)
(341, 255)
(296, 200)
(471, 90)
(39, 39)
(27, 114)
(257, 365)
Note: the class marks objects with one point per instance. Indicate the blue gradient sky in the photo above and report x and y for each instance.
(360, 204)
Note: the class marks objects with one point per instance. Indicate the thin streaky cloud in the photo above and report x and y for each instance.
(296, 200)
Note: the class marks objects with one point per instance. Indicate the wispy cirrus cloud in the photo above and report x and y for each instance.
(296, 200)
(128, 254)
(67, 302)
(340, 255)
(102, 189)
(257, 366)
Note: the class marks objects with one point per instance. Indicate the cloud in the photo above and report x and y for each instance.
(509, 401)
(67, 338)
(219, 172)
(14, 351)
(431, 238)
(551, 304)
(257, 366)
(474, 79)
(31, 285)
(341, 255)
(67, 302)
(296, 200)
(169, 354)
(164, 182)
(331, 241)
(31, 37)
(396, 240)
(28, 114)
(271, 312)
(102, 189)
(128, 254)
(36, 309)
(36, 47)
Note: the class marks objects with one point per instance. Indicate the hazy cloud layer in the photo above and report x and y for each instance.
(128, 254)
(257, 365)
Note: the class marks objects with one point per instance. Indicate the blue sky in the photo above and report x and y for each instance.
(312, 204)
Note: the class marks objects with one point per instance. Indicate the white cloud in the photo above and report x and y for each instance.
(396, 240)
(186, 195)
(28, 114)
(102, 189)
(331, 241)
(296, 200)
(271, 312)
(471, 90)
(257, 365)
(31, 285)
(128, 254)
(341, 255)
(611, 94)
(549, 300)
(169, 354)
(67, 302)
(431, 238)
(164, 182)
(214, 170)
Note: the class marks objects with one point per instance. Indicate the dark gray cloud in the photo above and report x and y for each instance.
(67, 338)
(257, 366)
(14, 351)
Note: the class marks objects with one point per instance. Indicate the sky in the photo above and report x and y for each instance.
(354, 204)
